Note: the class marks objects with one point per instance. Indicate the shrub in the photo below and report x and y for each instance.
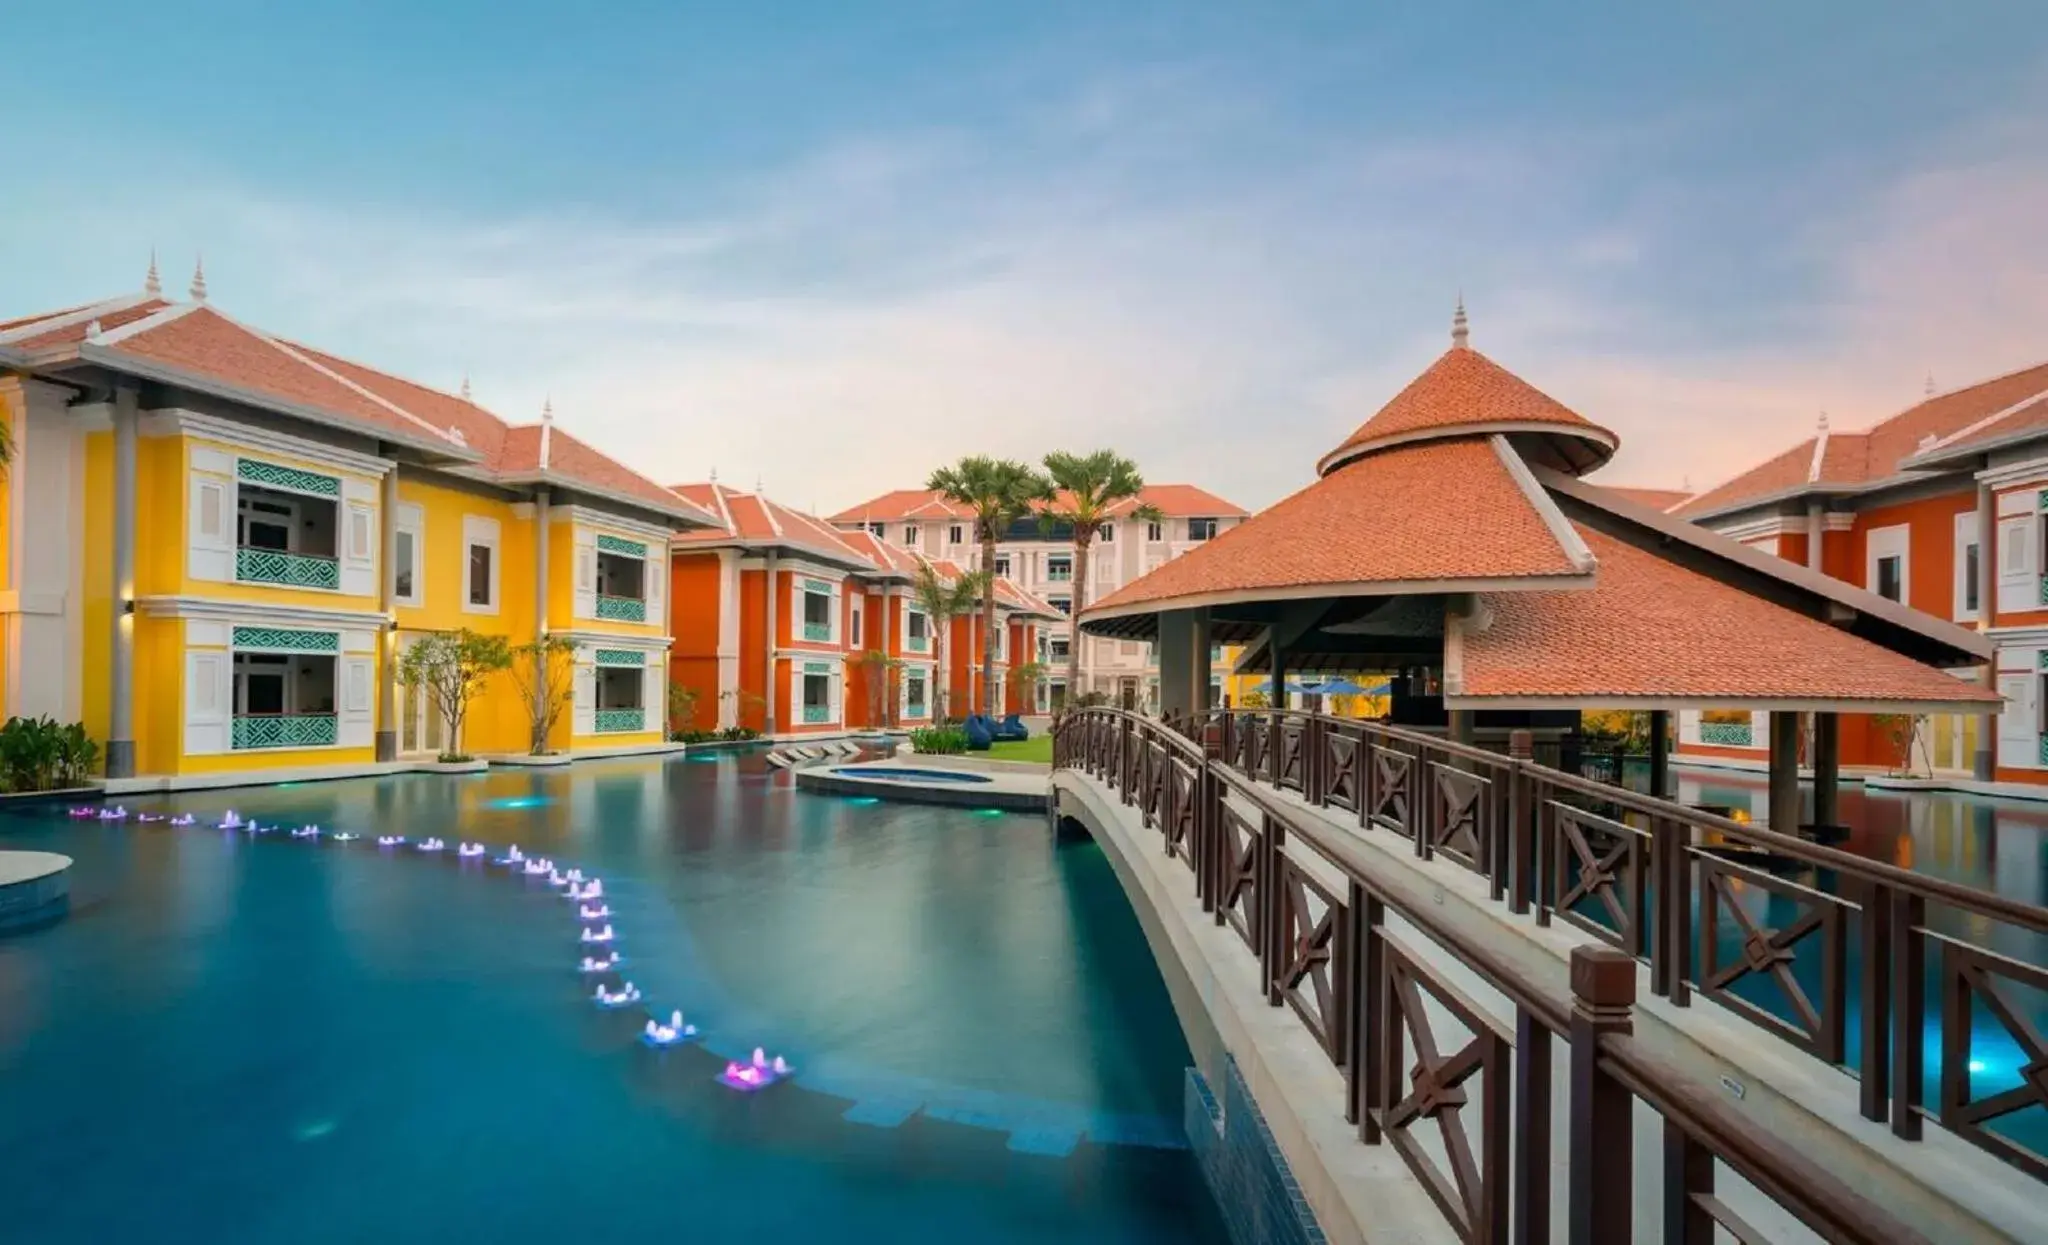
(694, 735)
(735, 734)
(39, 754)
(939, 740)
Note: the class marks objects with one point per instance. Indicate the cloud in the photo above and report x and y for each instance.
(1222, 311)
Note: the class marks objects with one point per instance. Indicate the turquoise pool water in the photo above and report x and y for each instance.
(255, 1039)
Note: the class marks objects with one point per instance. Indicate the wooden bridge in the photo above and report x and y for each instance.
(1272, 815)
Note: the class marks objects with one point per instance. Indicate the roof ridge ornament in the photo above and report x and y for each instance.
(547, 429)
(199, 279)
(465, 386)
(1461, 328)
(152, 284)
(1930, 385)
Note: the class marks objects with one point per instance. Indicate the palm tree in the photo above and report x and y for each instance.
(999, 492)
(1090, 487)
(942, 602)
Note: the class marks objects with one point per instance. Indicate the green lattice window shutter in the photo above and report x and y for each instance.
(620, 545)
(620, 657)
(283, 640)
(818, 585)
(272, 475)
(817, 667)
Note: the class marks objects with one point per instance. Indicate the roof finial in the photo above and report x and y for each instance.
(465, 385)
(1823, 421)
(1461, 331)
(199, 280)
(1685, 484)
(151, 284)
(547, 428)
(1930, 384)
(714, 475)
(757, 484)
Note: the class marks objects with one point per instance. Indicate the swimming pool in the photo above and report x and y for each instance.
(255, 1039)
(904, 773)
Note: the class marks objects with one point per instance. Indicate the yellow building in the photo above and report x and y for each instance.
(217, 542)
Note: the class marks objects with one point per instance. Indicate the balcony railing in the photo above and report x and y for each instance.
(621, 609)
(818, 631)
(814, 714)
(283, 730)
(610, 721)
(1727, 734)
(1059, 577)
(919, 643)
(291, 570)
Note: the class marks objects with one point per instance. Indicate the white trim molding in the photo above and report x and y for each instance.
(309, 617)
(176, 421)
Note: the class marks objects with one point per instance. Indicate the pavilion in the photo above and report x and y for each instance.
(1452, 541)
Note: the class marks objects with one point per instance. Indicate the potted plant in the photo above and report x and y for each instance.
(453, 666)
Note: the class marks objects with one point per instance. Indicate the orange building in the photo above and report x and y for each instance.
(851, 648)
(1939, 507)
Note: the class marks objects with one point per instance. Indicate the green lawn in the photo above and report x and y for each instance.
(1037, 748)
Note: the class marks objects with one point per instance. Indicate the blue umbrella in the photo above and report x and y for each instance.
(1341, 686)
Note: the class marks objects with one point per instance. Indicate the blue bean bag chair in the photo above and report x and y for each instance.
(978, 734)
(1013, 728)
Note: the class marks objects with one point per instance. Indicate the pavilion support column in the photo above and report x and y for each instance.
(1200, 670)
(1784, 790)
(1827, 769)
(1460, 726)
(1816, 527)
(1176, 663)
(387, 600)
(121, 663)
(1279, 667)
(1984, 762)
(1660, 755)
(768, 615)
(542, 502)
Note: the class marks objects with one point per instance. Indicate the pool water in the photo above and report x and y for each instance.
(903, 773)
(237, 1039)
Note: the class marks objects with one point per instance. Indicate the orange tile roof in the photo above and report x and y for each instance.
(751, 519)
(1171, 500)
(1464, 388)
(479, 429)
(574, 463)
(1851, 460)
(1650, 630)
(1425, 513)
(73, 334)
(2021, 422)
(206, 345)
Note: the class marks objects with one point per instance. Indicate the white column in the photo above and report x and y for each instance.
(1984, 763)
(541, 501)
(387, 599)
(121, 665)
(768, 616)
(728, 637)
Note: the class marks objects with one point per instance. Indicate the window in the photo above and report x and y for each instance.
(1888, 573)
(266, 524)
(817, 697)
(621, 577)
(914, 694)
(1969, 565)
(1888, 577)
(1002, 566)
(954, 534)
(479, 564)
(480, 575)
(1056, 648)
(856, 622)
(878, 529)
(1064, 605)
(1059, 568)
(909, 534)
(405, 562)
(917, 631)
(817, 607)
(620, 687)
(1201, 529)
(1106, 533)
(1155, 531)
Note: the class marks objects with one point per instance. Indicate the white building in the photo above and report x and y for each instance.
(1042, 563)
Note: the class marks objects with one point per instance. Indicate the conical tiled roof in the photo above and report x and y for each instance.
(1465, 394)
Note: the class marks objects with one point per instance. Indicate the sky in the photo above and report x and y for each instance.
(831, 246)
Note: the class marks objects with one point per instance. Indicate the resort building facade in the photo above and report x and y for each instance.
(1942, 507)
(787, 626)
(1040, 561)
(219, 544)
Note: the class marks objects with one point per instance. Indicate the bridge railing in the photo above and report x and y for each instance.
(1628, 869)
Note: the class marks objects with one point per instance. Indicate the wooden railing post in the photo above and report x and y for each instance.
(1532, 1130)
(1875, 1086)
(1602, 1179)
(1513, 867)
(1688, 1177)
(1909, 1011)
